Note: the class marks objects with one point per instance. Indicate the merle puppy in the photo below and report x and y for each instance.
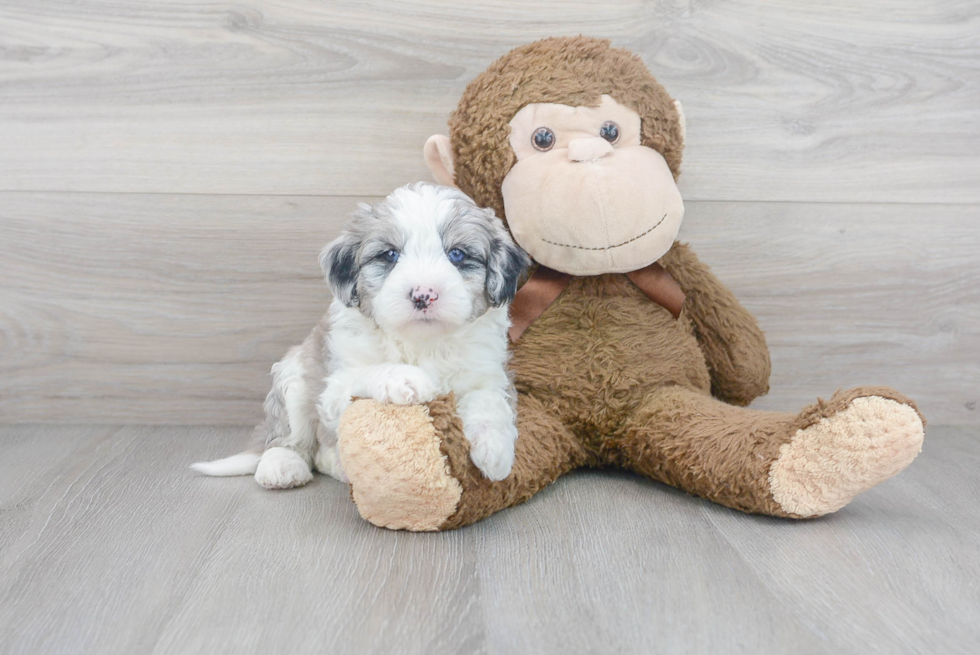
(421, 283)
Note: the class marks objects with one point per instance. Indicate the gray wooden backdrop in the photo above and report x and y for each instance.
(169, 171)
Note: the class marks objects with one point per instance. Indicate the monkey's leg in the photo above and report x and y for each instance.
(409, 465)
(795, 465)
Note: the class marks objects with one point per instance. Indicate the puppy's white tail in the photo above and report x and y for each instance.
(240, 464)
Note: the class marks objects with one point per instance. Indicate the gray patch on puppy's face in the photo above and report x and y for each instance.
(493, 263)
(380, 234)
(355, 262)
(339, 261)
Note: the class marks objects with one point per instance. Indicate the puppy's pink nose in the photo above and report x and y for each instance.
(423, 297)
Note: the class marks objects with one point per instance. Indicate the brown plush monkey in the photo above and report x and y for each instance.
(627, 350)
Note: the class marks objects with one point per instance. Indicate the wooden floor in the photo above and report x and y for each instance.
(108, 544)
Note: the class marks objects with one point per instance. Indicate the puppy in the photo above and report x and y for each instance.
(421, 283)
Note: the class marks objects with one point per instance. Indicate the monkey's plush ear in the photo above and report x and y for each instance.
(681, 119)
(339, 262)
(438, 153)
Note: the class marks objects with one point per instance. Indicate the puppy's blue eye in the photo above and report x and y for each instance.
(456, 255)
(391, 256)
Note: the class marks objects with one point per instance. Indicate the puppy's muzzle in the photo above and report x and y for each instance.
(423, 297)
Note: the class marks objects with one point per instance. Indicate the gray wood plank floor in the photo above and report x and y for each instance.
(108, 544)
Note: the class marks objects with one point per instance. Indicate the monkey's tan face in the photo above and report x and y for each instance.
(585, 197)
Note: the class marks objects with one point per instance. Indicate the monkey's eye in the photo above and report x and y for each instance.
(390, 256)
(609, 131)
(543, 139)
(456, 255)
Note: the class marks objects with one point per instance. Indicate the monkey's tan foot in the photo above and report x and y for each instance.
(843, 447)
(399, 477)
(410, 466)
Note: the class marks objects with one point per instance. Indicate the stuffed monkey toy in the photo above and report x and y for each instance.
(626, 350)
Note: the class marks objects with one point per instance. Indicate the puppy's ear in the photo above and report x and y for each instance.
(505, 264)
(339, 263)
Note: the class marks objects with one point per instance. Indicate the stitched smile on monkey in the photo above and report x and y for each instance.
(585, 197)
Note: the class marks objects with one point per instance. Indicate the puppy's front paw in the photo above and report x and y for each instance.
(282, 468)
(492, 449)
(407, 385)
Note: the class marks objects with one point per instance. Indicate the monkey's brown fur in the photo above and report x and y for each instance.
(607, 377)
(596, 388)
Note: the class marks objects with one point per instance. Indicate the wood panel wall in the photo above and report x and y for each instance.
(169, 170)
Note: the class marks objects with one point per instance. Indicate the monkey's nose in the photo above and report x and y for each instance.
(423, 297)
(589, 148)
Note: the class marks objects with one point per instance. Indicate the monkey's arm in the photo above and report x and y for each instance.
(733, 345)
